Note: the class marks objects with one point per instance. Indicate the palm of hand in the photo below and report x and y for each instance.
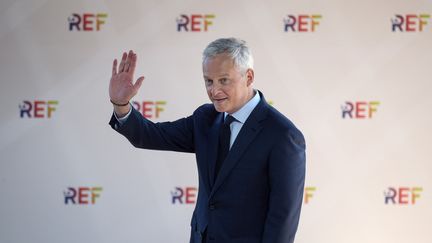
(121, 88)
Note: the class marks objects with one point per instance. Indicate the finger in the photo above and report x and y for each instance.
(133, 64)
(114, 68)
(122, 63)
(138, 83)
(128, 61)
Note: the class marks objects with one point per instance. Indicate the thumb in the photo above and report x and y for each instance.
(138, 83)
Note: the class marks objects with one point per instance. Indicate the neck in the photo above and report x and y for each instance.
(251, 94)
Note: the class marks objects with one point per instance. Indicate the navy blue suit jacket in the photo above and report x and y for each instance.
(257, 195)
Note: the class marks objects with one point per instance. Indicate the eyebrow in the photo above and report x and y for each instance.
(221, 76)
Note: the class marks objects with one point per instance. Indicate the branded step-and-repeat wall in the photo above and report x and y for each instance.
(354, 76)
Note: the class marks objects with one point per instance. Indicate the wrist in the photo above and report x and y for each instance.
(122, 111)
(119, 103)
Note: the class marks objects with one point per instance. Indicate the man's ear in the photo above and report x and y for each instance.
(249, 76)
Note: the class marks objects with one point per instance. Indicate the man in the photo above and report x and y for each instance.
(250, 158)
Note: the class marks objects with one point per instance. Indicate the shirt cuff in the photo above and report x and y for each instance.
(123, 119)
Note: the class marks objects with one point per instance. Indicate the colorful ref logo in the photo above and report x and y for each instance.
(402, 195)
(86, 21)
(37, 108)
(184, 195)
(194, 22)
(359, 109)
(409, 22)
(81, 195)
(301, 22)
(150, 109)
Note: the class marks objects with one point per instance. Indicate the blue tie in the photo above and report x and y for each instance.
(224, 142)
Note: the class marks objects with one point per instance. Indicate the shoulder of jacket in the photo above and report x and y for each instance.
(280, 121)
(205, 111)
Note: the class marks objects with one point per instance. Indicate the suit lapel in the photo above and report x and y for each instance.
(213, 147)
(247, 134)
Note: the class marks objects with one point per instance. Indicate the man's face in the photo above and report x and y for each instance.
(227, 87)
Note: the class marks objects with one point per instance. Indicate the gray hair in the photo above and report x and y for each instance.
(235, 48)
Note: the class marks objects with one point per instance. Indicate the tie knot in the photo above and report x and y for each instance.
(229, 119)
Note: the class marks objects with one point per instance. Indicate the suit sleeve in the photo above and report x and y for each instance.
(143, 133)
(286, 175)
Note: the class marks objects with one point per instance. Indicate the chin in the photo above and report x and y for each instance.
(219, 108)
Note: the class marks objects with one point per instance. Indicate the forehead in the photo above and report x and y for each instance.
(219, 64)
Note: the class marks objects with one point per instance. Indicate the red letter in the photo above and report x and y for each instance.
(195, 24)
(403, 195)
(147, 109)
(82, 196)
(87, 22)
(190, 195)
(302, 23)
(360, 109)
(37, 108)
(410, 24)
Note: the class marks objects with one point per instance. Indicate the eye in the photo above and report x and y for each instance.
(208, 82)
(223, 80)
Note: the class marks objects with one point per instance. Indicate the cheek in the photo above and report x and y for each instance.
(208, 89)
(228, 90)
(232, 92)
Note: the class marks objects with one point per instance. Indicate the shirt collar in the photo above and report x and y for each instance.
(244, 112)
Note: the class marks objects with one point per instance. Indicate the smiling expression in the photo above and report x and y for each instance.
(227, 86)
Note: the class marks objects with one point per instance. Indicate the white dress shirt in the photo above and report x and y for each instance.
(241, 116)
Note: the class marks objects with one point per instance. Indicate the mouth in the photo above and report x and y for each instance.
(219, 100)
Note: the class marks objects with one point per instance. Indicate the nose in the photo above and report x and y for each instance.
(215, 89)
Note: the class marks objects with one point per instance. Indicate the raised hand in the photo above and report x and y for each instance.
(122, 88)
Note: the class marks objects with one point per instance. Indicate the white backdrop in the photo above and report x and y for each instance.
(55, 112)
